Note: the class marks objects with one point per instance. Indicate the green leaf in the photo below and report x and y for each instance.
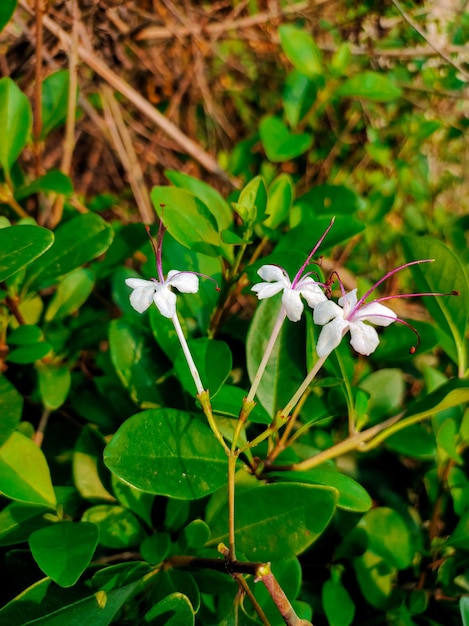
(64, 550)
(299, 94)
(452, 393)
(329, 200)
(187, 219)
(54, 384)
(370, 86)
(464, 608)
(279, 143)
(276, 521)
(460, 536)
(118, 527)
(7, 8)
(376, 578)
(352, 496)
(25, 334)
(55, 91)
(195, 535)
(18, 521)
(20, 245)
(286, 368)
(87, 465)
(15, 120)
(133, 356)
(301, 50)
(174, 610)
(77, 242)
(213, 360)
(229, 400)
(444, 275)
(24, 473)
(252, 201)
(280, 199)
(11, 408)
(217, 206)
(43, 604)
(167, 452)
(388, 536)
(29, 353)
(386, 391)
(54, 181)
(337, 603)
(72, 292)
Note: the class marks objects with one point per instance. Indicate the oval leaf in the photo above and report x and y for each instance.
(63, 551)
(370, 86)
(301, 50)
(277, 521)
(20, 245)
(15, 120)
(167, 452)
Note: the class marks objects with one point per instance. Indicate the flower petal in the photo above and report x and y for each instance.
(185, 282)
(267, 290)
(291, 300)
(165, 300)
(325, 311)
(274, 273)
(139, 282)
(141, 297)
(310, 291)
(331, 335)
(364, 339)
(349, 300)
(375, 313)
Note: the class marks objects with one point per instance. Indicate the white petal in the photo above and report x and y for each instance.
(326, 311)
(185, 282)
(274, 273)
(142, 297)
(310, 291)
(139, 282)
(349, 300)
(292, 302)
(364, 338)
(165, 300)
(375, 313)
(267, 290)
(331, 335)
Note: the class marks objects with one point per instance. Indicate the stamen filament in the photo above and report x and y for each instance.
(311, 254)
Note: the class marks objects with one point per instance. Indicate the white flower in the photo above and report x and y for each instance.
(147, 291)
(278, 281)
(350, 315)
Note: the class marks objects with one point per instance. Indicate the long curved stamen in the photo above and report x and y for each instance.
(415, 295)
(311, 254)
(385, 277)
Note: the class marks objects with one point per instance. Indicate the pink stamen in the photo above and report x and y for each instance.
(311, 254)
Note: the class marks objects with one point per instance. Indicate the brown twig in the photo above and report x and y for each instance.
(37, 124)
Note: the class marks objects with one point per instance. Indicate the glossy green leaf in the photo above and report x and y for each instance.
(329, 200)
(375, 577)
(301, 50)
(286, 368)
(299, 94)
(44, 604)
(252, 201)
(87, 466)
(388, 536)
(213, 361)
(337, 603)
(167, 452)
(417, 441)
(7, 8)
(54, 181)
(370, 86)
(280, 144)
(64, 550)
(464, 608)
(276, 521)
(29, 353)
(445, 274)
(118, 527)
(155, 548)
(16, 120)
(18, 521)
(195, 535)
(386, 391)
(229, 400)
(24, 472)
(280, 198)
(11, 407)
(352, 496)
(216, 204)
(137, 501)
(133, 356)
(187, 219)
(55, 92)
(20, 245)
(174, 610)
(25, 334)
(77, 242)
(54, 384)
(72, 292)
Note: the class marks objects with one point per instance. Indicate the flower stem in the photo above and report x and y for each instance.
(268, 351)
(303, 387)
(187, 353)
